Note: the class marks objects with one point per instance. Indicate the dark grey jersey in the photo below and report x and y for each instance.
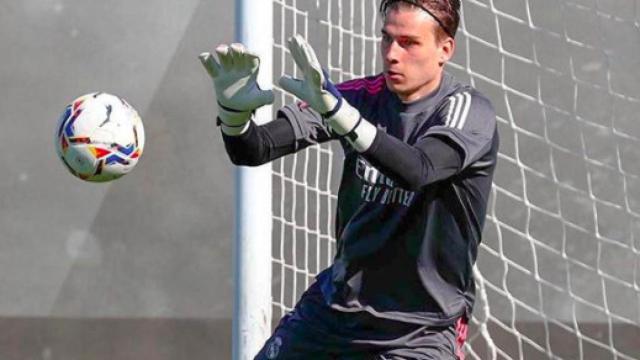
(406, 249)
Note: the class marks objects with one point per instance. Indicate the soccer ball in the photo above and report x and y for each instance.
(99, 137)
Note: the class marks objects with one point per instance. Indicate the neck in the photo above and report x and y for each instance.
(419, 104)
(423, 92)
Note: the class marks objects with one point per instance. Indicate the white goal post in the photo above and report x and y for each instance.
(558, 271)
(253, 223)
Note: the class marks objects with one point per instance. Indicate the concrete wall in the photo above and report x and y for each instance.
(149, 253)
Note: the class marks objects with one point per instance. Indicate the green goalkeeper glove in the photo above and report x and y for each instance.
(235, 83)
(322, 96)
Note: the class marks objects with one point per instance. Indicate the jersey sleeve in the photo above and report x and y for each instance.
(430, 160)
(307, 124)
(295, 128)
(468, 120)
(260, 144)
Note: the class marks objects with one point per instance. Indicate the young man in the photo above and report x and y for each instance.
(420, 152)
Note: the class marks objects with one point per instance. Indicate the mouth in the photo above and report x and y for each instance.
(393, 75)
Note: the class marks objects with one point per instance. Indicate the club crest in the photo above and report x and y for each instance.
(273, 349)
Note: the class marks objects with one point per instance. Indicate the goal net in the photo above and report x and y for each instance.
(558, 272)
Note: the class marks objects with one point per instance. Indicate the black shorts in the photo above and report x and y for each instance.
(315, 331)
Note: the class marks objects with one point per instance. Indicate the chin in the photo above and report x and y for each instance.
(395, 87)
(398, 89)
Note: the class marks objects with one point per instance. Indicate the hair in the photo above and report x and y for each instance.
(445, 12)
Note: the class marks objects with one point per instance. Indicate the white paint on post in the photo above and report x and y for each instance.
(252, 243)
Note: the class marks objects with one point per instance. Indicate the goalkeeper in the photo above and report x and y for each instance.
(420, 152)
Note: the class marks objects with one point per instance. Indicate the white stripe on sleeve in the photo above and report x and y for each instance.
(459, 105)
(465, 113)
(452, 104)
(456, 113)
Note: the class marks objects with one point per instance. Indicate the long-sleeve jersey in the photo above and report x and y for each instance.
(411, 208)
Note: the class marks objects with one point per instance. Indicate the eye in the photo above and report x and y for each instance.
(406, 42)
(386, 38)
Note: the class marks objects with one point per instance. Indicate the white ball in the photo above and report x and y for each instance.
(99, 137)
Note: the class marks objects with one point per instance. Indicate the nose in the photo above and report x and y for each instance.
(390, 52)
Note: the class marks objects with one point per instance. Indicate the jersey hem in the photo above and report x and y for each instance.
(419, 318)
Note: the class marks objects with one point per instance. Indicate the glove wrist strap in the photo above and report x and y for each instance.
(233, 122)
(232, 130)
(334, 110)
(228, 109)
(349, 124)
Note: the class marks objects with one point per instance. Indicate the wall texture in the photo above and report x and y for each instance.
(140, 265)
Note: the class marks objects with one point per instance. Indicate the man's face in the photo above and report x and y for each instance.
(412, 56)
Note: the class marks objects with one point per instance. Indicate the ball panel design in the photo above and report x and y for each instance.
(99, 137)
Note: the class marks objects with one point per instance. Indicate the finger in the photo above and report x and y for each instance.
(236, 51)
(296, 54)
(252, 61)
(310, 55)
(248, 60)
(223, 55)
(210, 64)
(307, 61)
(314, 70)
(291, 85)
(265, 97)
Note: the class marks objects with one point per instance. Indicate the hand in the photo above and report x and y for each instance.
(318, 91)
(234, 80)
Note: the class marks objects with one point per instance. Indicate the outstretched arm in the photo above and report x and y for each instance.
(258, 145)
(234, 74)
(320, 93)
(436, 156)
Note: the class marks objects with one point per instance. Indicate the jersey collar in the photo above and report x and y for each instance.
(428, 101)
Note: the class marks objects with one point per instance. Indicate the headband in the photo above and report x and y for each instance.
(385, 5)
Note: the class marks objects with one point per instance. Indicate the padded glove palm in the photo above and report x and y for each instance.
(235, 82)
(320, 93)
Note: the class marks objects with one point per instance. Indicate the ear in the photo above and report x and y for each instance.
(446, 49)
